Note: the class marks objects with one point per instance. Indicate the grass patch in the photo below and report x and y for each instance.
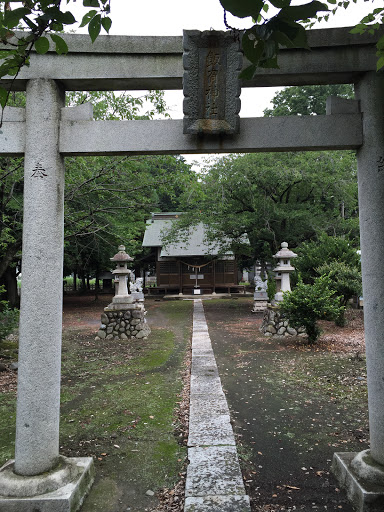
(7, 426)
(118, 406)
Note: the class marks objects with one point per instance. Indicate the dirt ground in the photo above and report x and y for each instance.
(292, 406)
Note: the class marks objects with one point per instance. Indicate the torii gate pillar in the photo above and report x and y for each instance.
(362, 474)
(39, 476)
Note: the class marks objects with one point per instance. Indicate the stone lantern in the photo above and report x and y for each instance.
(283, 269)
(124, 318)
(121, 274)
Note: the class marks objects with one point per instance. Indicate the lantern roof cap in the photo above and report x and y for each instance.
(284, 252)
(122, 255)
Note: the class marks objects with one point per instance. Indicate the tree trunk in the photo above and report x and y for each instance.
(10, 282)
(97, 289)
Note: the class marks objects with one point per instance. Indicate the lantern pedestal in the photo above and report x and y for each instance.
(123, 321)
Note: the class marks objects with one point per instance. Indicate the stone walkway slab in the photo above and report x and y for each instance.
(214, 482)
(217, 504)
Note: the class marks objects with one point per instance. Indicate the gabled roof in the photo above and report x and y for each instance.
(194, 244)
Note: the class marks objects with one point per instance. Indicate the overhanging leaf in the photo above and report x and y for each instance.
(61, 45)
(302, 12)
(12, 18)
(248, 72)
(87, 17)
(243, 8)
(282, 39)
(91, 3)
(380, 63)
(279, 4)
(3, 96)
(30, 23)
(106, 22)
(67, 18)
(94, 27)
(42, 45)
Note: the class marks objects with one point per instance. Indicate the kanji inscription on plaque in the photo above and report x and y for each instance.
(212, 62)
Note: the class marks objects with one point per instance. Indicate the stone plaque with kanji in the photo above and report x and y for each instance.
(212, 63)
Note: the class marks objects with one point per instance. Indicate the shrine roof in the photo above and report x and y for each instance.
(192, 243)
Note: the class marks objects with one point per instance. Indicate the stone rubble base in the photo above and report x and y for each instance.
(123, 322)
(275, 323)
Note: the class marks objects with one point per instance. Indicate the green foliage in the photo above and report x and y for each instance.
(9, 318)
(326, 250)
(337, 258)
(11, 209)
(39, 18)
(345, 281)
(270, 197)
(261, 42)
(107, 200)
(371, 23)
(308, 303)
(286, 29)
(306, 100)
(271, 287)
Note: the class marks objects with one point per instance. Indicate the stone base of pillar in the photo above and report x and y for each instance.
(60, 490)
(365, 495)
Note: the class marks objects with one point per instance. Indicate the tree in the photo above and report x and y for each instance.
(308, 303)
(325, 250)
(11, 207)
(337, 258)
(40, 18)
(271, 197)
(107, 200)
(266, 198)
(345, 281)
(306, 100)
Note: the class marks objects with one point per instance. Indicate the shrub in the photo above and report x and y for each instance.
(308, 303)
(9, 318)
(271, 287)
(345, 281)
(326, 250)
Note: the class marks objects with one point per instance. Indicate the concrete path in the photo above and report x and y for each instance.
(214, 481)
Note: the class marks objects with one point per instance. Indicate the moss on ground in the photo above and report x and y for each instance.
(118, 406)
(8, 349)
(7, 426)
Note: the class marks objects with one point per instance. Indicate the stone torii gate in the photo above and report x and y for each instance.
(45, 132)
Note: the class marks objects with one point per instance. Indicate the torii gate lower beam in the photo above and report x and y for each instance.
(291, 133)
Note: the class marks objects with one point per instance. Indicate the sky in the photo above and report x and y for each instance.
(170, 17)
